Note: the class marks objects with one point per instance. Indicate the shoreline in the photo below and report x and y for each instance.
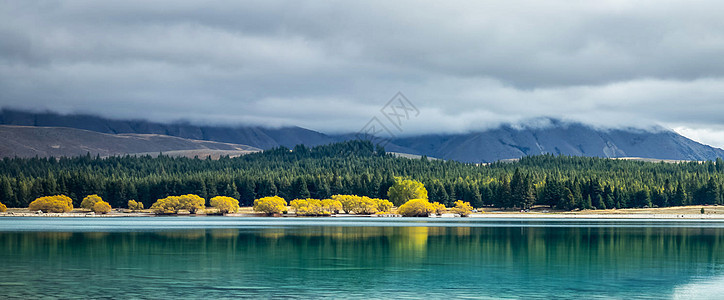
(477, 216)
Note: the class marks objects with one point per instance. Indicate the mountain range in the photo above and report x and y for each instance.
(503, 142)
(31, 141)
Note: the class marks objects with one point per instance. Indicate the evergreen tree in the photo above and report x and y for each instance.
(266, 188)
(601, 204)
(711, 194)
(7, 195)
(437, 193)
(518, 190)
(568, 201)
(300, 189)
(503, 194)
(246, 192)
(587, 203)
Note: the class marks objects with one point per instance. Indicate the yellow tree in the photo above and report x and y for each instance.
(367, 206)
(101, 207)
(56, 204)
(135, 205)
(89, 201)
(225, 204)
(331, 206)
(168, 205)
(270, 205)
(349, 202)
(417, 208)
(384, 206)
(461, 208)
(439, 208)
(404, 190)
(192, 203)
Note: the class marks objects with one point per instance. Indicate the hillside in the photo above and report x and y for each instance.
(259, 137)
(504, 142)
(28, 141)
(507, 142)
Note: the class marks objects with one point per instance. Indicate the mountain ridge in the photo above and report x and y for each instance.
(503, 142)
(31, 141)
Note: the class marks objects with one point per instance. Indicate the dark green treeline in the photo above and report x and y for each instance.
(359, 168)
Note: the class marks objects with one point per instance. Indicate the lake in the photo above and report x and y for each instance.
(222, 257)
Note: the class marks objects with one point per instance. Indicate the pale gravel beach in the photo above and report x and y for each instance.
(684, 212)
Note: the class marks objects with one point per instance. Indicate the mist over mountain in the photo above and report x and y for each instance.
(560, 138)
(504, 142)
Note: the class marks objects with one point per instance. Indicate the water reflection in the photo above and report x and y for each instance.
(364, 261)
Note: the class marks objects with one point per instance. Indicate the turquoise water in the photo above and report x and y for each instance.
(218, 257)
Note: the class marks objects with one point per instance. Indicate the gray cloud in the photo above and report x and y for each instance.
(331, 65)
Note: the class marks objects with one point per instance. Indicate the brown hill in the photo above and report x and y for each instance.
(30, 141)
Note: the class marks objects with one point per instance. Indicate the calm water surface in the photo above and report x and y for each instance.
(217, 257)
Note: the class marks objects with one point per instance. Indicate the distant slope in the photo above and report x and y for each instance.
(200, 153)
(260, 137)
(568, 139)
(504, 142)
(26, 141)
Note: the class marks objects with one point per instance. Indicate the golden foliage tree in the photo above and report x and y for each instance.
(420, 208)
(349, 202)
(333, 206)
(225, 204)
(101, 207)
(168, 205)
(3, 208)
(89, 201)
(192, 203)
(461, 208)
(439, 208)
(172, 204)
(270, 205)
(384, 206)
(362, 205)
(404, 190)
(56, 204)
(315, 207)
(135, 205)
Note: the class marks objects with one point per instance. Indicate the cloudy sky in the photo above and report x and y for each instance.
(332, 65)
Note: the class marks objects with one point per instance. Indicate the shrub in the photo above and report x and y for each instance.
(270, 205)
(362, 205)
(101, 207)
(172, 204)
(315, 207)
(192, 203)
(384, 206)
(417, 208)
(306, 207)
(461, 208)
(168, 205)
(439, 208)
(56, 204)
(89, 201)
(405, 190)
(349, 202)
(332, 206)
(225, 204)
(365, 206)
(3, 208)
(135, 205)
